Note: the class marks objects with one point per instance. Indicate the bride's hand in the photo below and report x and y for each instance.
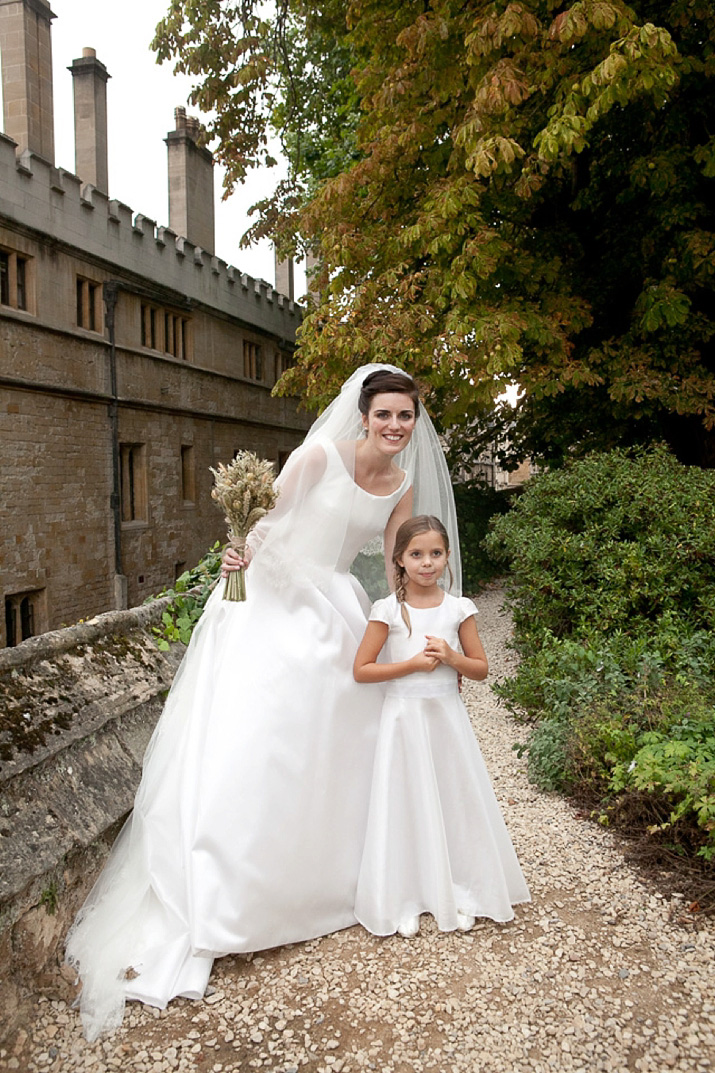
(233, 561)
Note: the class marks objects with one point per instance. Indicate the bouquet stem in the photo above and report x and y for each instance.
(235, 587)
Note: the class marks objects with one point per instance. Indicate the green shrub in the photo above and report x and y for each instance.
(677, 765)
(567, 677)
(613, 591)
(547, 756)
(614, 541)
(657, 745)
(596, 743)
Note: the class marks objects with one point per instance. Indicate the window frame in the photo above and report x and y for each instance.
(89, 304)
(254, 366)
(24, 615)
(165, 331)
(17, 280)
(284, 361)
(133, 484)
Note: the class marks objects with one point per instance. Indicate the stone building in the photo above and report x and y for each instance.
(131, 358)
(488, 469)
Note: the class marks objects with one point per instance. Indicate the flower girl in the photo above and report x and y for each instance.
(436, 840)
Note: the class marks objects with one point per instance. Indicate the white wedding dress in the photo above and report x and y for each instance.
(249, 822)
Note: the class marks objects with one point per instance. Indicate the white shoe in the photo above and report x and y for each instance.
(409, 927)
(464, 921)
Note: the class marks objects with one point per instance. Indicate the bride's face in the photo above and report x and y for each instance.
(390, 423)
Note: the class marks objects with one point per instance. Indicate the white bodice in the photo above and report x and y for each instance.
(368, 516)
(320, 522)
(443, 621)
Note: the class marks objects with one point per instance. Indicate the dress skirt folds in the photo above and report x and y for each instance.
(250, 819)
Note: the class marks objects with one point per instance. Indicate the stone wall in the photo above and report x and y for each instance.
(54, 491)
(77, 708)
(57, 532)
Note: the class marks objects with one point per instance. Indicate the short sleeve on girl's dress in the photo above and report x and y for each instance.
(383, 611)
(467, 608)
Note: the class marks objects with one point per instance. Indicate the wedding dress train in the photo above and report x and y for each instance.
(249, 822)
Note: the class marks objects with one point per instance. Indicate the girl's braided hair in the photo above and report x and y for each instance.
(422, 523)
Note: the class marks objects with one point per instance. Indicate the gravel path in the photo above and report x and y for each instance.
(598, 973)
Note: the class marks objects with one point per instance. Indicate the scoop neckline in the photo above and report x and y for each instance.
(372, 495)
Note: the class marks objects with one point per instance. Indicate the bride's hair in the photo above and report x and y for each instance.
(422, 523)
(384, 382)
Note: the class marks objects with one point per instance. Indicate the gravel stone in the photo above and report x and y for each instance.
(599, 974)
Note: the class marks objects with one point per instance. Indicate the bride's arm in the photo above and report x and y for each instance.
(400, 514)
(300, 474)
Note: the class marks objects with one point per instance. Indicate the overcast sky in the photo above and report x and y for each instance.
(141, 97)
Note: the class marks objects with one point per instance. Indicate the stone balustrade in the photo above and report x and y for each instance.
(77, 708)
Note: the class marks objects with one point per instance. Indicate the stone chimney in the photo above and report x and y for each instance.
(26, 47)
(89, 80)
(285, 282)
(312, 262)
(191, 184)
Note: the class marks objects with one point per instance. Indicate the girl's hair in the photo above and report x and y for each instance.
(422, 523)
(385, 382)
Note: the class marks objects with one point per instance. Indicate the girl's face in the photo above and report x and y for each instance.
(390, 423)
(425, 559)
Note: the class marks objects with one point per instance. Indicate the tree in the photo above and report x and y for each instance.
(526, 196)
(286, 76)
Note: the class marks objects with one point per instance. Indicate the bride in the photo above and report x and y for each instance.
(249, 822)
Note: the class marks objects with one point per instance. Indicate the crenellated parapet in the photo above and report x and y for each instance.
(53, 202)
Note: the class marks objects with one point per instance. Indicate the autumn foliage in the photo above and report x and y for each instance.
(498, 192)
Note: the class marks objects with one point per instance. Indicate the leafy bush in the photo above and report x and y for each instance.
(568, 676)
(476, 505)
(612, 542)
(655, 740)
(189, 595)
(598, 741)
(547, 755)
(613, 591)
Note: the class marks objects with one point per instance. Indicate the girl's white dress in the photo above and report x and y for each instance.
(249, 822)
(436, 840)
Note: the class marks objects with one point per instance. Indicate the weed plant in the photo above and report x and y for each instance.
(189, 594)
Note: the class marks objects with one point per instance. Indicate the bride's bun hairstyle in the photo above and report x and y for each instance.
(384, 382)
(421, 523)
